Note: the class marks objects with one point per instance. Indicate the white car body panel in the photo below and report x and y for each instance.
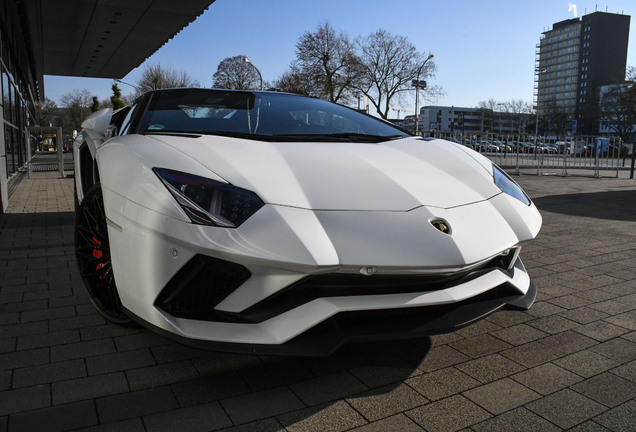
(330, 208)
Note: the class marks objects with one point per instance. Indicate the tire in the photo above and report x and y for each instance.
(92, 251)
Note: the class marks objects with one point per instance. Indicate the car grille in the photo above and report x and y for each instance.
(199, 286)
(204, 282)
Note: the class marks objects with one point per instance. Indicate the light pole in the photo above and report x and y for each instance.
(418, 84)
(122, 82)
(246, 60)
(500, 128)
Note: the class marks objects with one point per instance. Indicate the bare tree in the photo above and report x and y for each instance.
(157, 77)
(236, 73)
(388, 64)
(77, 104)
(618, 109)
(489, 104)
(45, 112)
(295, 81)
(327, 62)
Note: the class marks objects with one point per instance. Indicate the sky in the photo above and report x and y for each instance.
(483, 48)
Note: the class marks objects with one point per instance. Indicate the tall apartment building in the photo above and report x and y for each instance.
(574, 60)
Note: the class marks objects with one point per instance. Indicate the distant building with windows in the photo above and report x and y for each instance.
(468, 121)
(573, 61)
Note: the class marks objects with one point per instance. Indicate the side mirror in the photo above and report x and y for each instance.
(98, 121)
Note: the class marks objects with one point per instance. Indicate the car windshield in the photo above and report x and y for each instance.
(266, 116)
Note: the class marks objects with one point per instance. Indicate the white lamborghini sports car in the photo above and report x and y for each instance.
(274, 223)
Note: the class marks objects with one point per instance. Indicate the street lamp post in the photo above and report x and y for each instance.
(417, 84)
(246, 60)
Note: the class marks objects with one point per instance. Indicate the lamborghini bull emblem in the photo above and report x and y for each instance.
(441, 225)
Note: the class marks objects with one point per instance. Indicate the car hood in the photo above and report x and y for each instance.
(397, 175)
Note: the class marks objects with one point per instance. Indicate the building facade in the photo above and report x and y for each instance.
(574, 59)
(19, 92)
(469, 121)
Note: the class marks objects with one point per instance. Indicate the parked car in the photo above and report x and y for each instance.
(274, 223)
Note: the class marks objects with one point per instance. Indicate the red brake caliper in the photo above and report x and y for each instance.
(97, 253)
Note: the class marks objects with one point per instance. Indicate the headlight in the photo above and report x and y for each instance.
(508, 185)
(208, 202)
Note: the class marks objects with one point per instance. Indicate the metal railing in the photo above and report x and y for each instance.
(593, 156)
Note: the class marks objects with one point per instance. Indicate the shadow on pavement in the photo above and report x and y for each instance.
(611, 205)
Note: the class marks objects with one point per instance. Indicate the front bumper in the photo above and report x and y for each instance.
(281, 247)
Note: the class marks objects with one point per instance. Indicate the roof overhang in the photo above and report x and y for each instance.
(101, 38)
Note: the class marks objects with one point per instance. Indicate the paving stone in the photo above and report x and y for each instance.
(619, 419)
(566, 408)
(209, 389)
(568, 342)
(553, 324)
(200, 418)
(48, 373)
(267, 425)
(611, 307)
(480, 346)
(547, 378)
(136, 404)
(275, 374)
(442, 383)
(260, 405)
(144, 339)
(532, 354)
(544, 309)
(7, 331)
(451, 414)
(82, 349)
(34, 357)
(331, 417)
(627, 371)
(442, 357)
(154, 376)
(589, 426)
(586, 363)
(57, 418)
(607, 388)
(174, 352)
(519, 334)
(490, 368)
(387, 401)
(47, 314)
(569, 301)
(397, 423)
(518, 420)
(379, 375)
(88, 388)
(24, 399)
(618, 349)
(119, 361)
(47, 339)
(76, 322)
(327, 388)
(626, 320)
(133, 425)
(500, 396)
(584, 315)
(601, 330)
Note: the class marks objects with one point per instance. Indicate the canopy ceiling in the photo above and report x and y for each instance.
(101, 38)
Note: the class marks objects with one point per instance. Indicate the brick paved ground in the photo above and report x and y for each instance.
(569, 363)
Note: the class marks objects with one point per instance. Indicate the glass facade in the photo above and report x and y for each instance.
(17, 109)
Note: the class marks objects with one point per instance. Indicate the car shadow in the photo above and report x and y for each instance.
(612, 205)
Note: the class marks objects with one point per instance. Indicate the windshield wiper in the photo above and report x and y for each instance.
(339, 137)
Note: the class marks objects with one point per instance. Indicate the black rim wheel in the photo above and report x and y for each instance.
(92, 251)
